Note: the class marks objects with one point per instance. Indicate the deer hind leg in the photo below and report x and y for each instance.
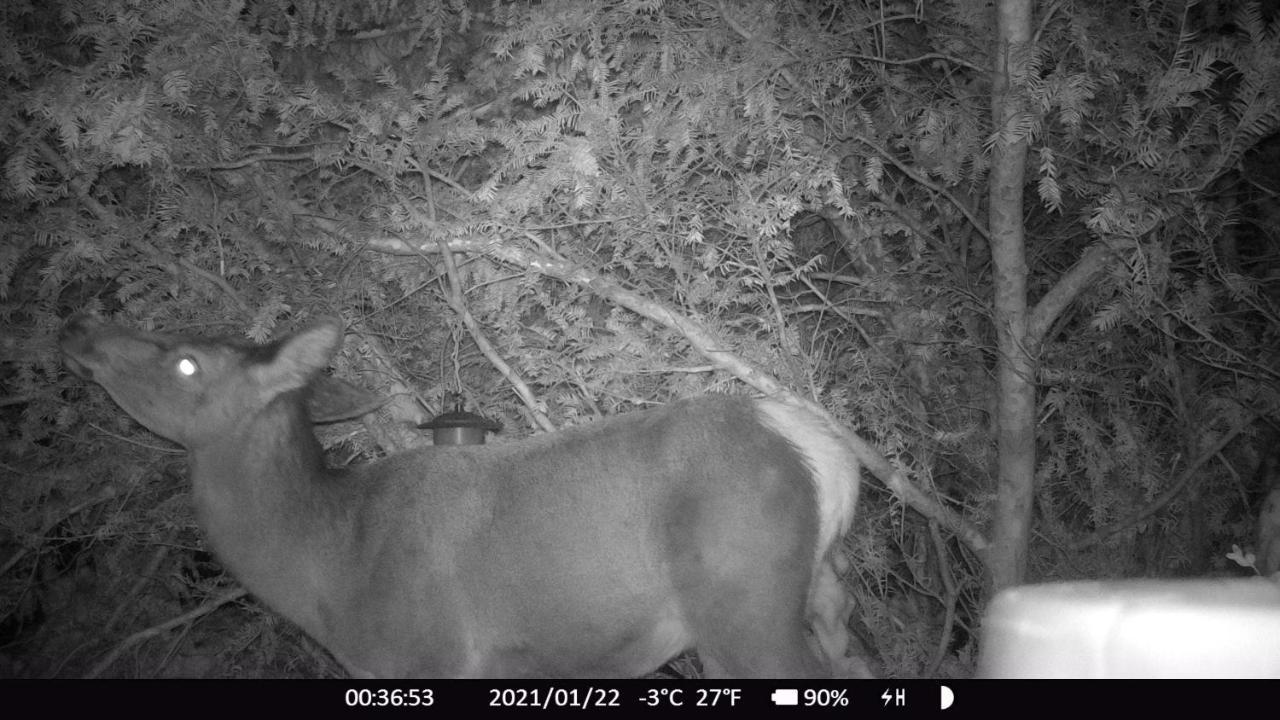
(745, 561)
(749, 613)
(759, 632)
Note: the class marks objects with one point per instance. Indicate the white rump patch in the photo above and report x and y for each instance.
(832, 466)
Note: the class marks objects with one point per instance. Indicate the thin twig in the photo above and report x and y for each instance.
(107, 493)
(146, 576)
(164, 627)
(1192, 472)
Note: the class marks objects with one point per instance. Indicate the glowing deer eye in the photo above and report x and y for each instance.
(187, 367)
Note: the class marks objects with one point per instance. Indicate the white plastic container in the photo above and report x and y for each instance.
(1135, 629)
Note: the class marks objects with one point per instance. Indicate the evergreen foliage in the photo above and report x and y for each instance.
(806, 180)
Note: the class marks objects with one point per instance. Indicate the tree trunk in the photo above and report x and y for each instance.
(1007, 560)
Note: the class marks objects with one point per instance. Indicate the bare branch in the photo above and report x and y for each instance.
(706, 344)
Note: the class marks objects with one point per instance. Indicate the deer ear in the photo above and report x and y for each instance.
(300, 357)
(333, 400)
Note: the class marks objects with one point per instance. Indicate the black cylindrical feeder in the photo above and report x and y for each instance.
(459, 427)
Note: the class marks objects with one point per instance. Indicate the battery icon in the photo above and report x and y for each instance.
(786, 697)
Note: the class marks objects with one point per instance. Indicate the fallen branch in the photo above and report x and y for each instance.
(703, 341)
